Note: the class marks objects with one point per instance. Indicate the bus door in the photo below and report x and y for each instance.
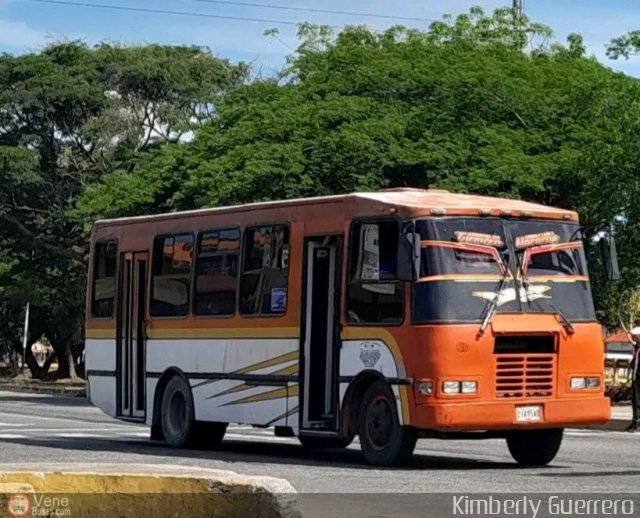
(321, 334)
(131, 335)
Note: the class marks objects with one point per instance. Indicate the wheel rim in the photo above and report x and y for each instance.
(177, 415)
(379, 422)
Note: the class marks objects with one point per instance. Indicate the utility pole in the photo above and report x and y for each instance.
(518, 8)
(25, 338)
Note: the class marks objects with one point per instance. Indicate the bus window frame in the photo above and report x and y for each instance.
(236, 309)
(464, 247)
(559, 247)
(243, 238)
(348, 275)
(94, 245)
(150, 289)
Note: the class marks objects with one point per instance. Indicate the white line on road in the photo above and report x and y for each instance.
(11, 436)
(49, 418)
(102, 429)
(257, 438)
(78, 436)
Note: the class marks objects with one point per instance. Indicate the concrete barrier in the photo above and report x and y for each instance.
(141, 491)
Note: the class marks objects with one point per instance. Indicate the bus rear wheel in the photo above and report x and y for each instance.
(534, 447)
(383, 440)
(177, 419)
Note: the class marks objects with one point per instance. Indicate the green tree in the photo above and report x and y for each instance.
(484, 104)
(624, 46)
(69, 115)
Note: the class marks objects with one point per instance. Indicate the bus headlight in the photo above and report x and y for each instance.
(469, 387)
(578, 383)
(593, 382)
(451, 387)
(581, 383)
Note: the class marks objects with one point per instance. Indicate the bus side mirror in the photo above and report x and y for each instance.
(409, 256)
(609, 257)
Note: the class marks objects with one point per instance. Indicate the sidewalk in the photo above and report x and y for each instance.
(620, 419)
(66, 388)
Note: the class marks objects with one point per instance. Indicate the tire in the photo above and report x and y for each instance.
(383, 441)
(177, 419)
(177, 415)
(311, 442)
(534, 447)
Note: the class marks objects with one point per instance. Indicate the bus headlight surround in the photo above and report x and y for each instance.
(584, 382)
(425, 387)
(453, 387)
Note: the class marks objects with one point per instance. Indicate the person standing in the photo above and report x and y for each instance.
(635, 382)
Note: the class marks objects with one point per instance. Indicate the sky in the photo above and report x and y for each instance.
(26, 25)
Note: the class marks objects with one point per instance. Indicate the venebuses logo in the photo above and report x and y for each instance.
(18, 505)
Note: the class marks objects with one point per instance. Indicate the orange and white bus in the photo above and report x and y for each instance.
(390, 315)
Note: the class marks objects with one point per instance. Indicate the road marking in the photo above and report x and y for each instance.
(45, 431)
(12, 424)
(257, 438)
(31, 416)
(75, 435)
(12, 436)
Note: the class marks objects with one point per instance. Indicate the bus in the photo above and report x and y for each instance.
(391, 315)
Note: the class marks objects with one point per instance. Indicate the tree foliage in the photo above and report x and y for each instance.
(69, 115)
(485, 104)
(624, 46)
(477, 103)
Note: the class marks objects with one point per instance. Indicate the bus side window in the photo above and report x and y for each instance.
(375, 295)
(103, 293)
(217, 273)
(265, 270)
(172, 260)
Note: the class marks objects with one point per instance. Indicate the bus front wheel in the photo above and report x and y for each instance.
(383, 440)
(534, 447)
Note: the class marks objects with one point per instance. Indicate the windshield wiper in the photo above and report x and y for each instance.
(492, 305)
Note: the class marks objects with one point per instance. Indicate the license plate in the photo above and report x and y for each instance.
(527, 414)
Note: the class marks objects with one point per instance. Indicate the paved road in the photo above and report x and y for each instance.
(36, 428)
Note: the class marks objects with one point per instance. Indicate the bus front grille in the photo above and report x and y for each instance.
(527, 376)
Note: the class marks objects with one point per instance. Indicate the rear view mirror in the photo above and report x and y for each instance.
(609, 256)
(408, 256)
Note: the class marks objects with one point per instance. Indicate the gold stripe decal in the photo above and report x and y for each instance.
(283, 358)
(291, 412)
(270, 395)
(291, 370)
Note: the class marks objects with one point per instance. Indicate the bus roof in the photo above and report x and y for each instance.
(409, 202)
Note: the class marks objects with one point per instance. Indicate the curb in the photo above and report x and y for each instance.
(102, 490)
(614, 425)
(45, 388)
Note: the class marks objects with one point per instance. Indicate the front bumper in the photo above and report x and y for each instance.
(501, 415)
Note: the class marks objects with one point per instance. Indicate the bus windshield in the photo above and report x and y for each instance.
(465, 260)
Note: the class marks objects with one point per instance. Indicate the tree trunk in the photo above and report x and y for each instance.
(66, 365)
(36, 371)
